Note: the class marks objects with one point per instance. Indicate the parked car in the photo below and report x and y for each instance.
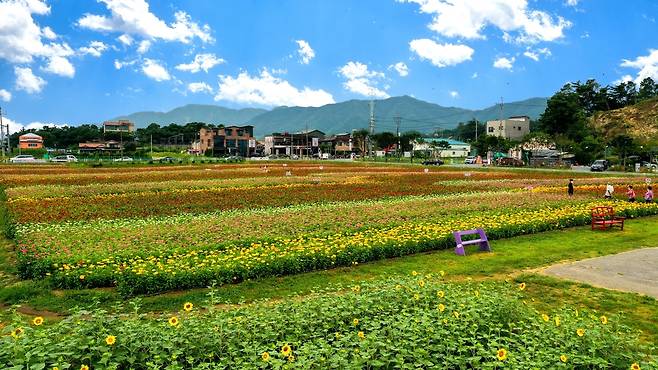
(652, 166)
(64, 158)
(123, 159)
(510, 162)
(599, 165)
(470, 160)
(433, 162)
(165, 159)
(23, 158)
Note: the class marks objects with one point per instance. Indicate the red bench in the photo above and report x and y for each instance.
(604, 218)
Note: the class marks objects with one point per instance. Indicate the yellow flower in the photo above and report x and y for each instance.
(361, 335)
(286, 350)
(82, 277)
(173, 321)
(563, 358)
(37, 320)
(441, 307)
(110, 340)
(440, 294)
(356, 288)
(421, 283)
(55, 368)
(635, 366)
(557, 321)
(442, 273)
(580, 332)
(416, 296)
(188, 306)
(265, 356)
(604, 320)
(17, 332)
(476, 293)
(456, 314)
(337, 335)
(545, 317)
(291, 358)
(414, 273)
(355, 322)
(84, 367)
(522, 286)
(501, 354)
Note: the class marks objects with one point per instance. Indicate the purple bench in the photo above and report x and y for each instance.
(483, 241)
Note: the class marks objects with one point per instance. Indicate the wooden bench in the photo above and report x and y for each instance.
(604, 218)
(482, 240)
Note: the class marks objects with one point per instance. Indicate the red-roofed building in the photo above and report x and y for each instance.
(30, 141)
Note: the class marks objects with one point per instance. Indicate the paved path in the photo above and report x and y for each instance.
(634, 271)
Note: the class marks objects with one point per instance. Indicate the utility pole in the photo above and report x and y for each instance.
(476, 128)
(397, 120)
(372, 126)
(152, 146)
(2, 134)
(307, 148)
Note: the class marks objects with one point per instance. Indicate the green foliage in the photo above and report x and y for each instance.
(419, 320)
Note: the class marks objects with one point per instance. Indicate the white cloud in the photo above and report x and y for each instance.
(201, 62)
(474, 75)
(125, 39)
(572, 2)
(5, 95)
(623, 79)
(199, 87)
(468, 19)
(95, 48)
(532, 55)
(504, 63)
(401, 68)
(60, 66)
(647, 65)
(155, 71)
(441, 55)
(22, 40)
(306, 53)
(144, 46)
(268, 90)
(134, 17)
(119, 64)
(17, 127)
(537, 53)
(454, 94)
(27, 81)
(362, 81)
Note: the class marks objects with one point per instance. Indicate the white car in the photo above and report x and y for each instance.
(470, 160)
(123, 159)
(23, 158)
(64, 158)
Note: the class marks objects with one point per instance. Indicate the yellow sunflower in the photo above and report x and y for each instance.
(414, 273)
(545, 317)
(110, 340)
(84, 367)
(580, 332)
(265, 356)
(37, 320)
(564, 358)
(557, 321)
(361, 335)
(604, 320)
(355, 322)
(442, 273)
(421, 283)
(442, 307)
(286, 350)
(522, 286)
(440, 294)
(635, 366)
(501, 354)
(188, 306)
(173, 321)
(17, 332)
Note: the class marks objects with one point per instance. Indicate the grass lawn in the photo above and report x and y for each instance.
(511, 259)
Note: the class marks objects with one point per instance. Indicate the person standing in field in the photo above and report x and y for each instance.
(648, 196)
(609, 190)
(570, 188)
(630, 193)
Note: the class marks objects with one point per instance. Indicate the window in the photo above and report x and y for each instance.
(229, 132)
(491, 129)
(519, 128)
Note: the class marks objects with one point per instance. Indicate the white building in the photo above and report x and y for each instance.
(513, 128)
(430, 145)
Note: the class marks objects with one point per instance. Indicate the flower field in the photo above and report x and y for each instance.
(419, 321)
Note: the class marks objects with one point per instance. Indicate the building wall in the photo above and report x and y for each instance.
(28, 142)
(227, 140)
(512, 129)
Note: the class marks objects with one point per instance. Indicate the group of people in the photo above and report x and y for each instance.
(609, 190)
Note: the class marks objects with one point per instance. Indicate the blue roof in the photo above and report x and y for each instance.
(450, 141)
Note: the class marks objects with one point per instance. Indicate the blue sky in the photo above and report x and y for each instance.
(79, 61)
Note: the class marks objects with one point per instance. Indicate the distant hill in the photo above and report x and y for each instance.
(639, 121)
(194, 113)
(342, 117)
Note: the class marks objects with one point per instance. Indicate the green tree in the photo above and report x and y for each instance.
(648, 89)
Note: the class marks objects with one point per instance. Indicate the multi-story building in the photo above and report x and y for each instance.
(228, 140)
(338, 144)
(30, 141)
(122, 125)
(303, 143)
(109, 146)
(513, 128)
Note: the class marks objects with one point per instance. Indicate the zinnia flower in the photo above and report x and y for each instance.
(110, 340)
(501, 354)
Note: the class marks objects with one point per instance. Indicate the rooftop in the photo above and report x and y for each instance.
(438, 139)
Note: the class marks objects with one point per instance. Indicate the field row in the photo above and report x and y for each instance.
(407, 322)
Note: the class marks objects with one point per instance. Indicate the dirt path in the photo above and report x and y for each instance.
(634, 271)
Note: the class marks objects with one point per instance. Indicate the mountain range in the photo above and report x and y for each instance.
(414, 114)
